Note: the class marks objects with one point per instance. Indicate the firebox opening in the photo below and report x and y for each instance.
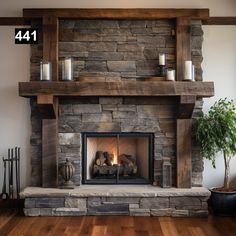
(117, 158)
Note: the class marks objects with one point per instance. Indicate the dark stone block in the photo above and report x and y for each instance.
(109, 209)
(49, 202)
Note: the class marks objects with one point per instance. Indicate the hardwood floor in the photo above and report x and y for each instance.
(15, 224)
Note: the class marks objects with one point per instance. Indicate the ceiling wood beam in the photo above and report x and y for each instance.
(220, 21)
(118, 13)
(14, 21)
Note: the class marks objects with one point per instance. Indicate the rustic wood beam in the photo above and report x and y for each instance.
(48, 103)
(183, 50)
(49, 126)
(186, 106)
(184, 153)
(220, 21)
(117, 13)
(49, 153)
(50, 43)
(15, 20)
(121, 88)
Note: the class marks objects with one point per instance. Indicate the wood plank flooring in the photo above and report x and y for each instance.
(13, 223)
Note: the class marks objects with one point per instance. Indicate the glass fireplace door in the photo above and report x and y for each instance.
(117, 158)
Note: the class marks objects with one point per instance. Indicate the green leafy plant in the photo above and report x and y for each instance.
(216, 132)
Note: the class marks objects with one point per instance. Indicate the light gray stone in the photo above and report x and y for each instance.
(69, 138)
(68, 212)
(46, 211)
(133, 206)
(109, 208)
(139, 212)
(86, 108)
(109, 107)
(32, 212)
(99, 117)
(128, 47)
(120, 66)
(180, 213)
(100, 127)
(79, 203)
(155, 203)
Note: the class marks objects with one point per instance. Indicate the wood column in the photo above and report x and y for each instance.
(184, 141)
(183, 47)
(49, 129)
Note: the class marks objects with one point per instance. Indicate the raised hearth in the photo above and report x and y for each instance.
(135, 200)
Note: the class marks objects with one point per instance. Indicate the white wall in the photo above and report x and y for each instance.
(219, 53)
(219, 65)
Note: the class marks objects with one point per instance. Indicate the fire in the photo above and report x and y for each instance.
(115, 159)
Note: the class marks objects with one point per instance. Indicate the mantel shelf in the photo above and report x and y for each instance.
(120, 88)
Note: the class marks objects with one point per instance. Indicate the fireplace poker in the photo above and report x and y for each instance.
(4, 194)
(11, 175)
(17, 151)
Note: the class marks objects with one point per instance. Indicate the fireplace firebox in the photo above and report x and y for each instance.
(117, 158)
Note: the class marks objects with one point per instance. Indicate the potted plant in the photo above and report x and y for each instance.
(216, 132)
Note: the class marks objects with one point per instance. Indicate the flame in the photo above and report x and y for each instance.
(115, 159)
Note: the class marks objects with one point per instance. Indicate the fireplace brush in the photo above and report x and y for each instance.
(11, 167)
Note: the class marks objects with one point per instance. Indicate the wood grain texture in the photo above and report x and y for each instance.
(121, 88)
(220, 21)
(186, 107)
(117, 13)
(14, 21)
(15, 224)
(49, 153)
(183, 50)
(48, 103)
(50, 43)
(184, 153)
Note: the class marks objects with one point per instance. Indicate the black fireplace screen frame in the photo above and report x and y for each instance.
(150, 137)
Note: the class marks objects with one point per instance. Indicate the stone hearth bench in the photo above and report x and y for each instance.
(116, 200)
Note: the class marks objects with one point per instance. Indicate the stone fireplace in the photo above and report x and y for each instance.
(114, 137)
(116, 50)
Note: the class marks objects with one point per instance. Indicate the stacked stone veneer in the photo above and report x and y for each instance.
(116, 50)
(145, 203)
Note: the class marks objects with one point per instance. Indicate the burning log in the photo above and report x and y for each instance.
(100, 159)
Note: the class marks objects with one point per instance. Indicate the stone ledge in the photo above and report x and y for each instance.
(115, 191)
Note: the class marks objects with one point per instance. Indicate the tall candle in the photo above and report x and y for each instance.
(67, 69)
(162, 59)
(188, 70)
(170, 75)
(193, 72)
(45, 71)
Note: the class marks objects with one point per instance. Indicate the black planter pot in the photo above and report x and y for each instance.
(223, 203)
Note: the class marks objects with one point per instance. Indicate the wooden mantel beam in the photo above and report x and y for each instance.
(121, 88)
(117, 13)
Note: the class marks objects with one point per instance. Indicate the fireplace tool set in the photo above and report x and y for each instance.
(11, 166)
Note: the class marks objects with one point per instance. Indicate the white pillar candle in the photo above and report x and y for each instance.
(162, 59)
(193, 72)
(67, 69)
(170, 75)
(45, 71)
(188, 70)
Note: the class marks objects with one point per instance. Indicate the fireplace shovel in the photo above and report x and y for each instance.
(4, 194)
